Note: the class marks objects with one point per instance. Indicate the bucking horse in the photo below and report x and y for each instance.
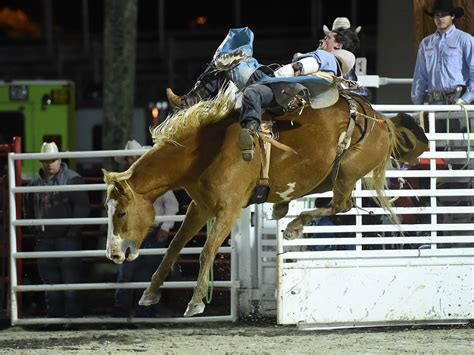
(197, 149)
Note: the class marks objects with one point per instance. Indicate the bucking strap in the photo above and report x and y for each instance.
(290, 96)
(268, 135)
(345, 137)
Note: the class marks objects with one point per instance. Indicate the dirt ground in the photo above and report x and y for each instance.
(236, 339)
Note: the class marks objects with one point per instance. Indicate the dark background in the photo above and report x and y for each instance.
(175, 59)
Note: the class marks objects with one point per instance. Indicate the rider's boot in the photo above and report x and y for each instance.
(246, 140)
(178, 102)
(206, 86)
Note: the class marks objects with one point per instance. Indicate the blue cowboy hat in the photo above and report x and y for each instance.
(446, 6)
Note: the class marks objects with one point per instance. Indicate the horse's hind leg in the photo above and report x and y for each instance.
(195, 219)
(341, 202)
(294, 229)
(225, 219)
(279, 210)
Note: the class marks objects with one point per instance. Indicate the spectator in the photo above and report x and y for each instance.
(67, 204)
(444, 67)
(141, 270)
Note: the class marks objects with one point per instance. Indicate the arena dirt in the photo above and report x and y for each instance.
(236, 339)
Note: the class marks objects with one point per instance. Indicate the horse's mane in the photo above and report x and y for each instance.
(184, 121)
(179, 124)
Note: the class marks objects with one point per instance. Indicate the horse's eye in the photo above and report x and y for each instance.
(120, 214)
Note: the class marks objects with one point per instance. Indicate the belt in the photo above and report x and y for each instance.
(444, 95)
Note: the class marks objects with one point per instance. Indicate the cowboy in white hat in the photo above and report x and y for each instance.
(50, 167)
(49, 205)
(331, 57)
(130, 145)
(445, 62)
(340, 22)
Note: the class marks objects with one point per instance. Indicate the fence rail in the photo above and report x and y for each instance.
(15, 255)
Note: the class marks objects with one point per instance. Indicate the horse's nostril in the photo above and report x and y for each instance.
(127, 252)
(115, 256)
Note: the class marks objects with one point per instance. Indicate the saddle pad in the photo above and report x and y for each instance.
(322, 87)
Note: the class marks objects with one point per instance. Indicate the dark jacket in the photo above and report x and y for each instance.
(68, 204)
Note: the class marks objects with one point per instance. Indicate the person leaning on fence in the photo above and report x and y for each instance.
(66, 204)
(444, 69)
(141, 270)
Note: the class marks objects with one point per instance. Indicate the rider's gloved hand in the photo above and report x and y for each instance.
(297, 68)
(461, 101)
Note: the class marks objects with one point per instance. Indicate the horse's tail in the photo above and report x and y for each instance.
(378, 181)
(407, 141)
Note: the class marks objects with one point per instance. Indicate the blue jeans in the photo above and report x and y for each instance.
(60, 271)
(255, 97)
(139, 270)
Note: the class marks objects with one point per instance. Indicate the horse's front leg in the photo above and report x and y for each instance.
(195, 219)
(225, 219)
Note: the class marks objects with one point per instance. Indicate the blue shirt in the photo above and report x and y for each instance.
(326, 60)
(444, 61)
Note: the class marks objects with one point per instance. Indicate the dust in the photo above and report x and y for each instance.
(241, 338)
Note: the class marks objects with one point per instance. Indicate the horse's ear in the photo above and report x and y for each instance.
(106, 176)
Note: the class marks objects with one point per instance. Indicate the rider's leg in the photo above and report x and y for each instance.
(207, 85)
(255, 97)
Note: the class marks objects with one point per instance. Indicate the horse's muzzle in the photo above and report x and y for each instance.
(119, 255)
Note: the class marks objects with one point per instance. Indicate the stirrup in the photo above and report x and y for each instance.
(246, 144)
(175, 100)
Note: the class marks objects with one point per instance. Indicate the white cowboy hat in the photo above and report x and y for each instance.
(49, 148)
(130, 145)
(346, 58)
(340, 22)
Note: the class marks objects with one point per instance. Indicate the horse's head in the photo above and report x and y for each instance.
(131, 217)
(412, 140)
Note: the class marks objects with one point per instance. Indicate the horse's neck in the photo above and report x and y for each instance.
(152, 174)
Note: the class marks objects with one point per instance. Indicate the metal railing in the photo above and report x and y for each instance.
(15, 255)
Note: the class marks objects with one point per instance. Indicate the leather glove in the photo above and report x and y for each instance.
(461, 102)
(297, 68)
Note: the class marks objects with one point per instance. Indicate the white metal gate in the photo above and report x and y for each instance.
(424, 275)
(16, 255)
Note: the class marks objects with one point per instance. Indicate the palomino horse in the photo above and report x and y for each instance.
(198, 150)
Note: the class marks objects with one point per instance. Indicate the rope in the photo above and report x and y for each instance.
(468, 131)
(448, 124)
(373, 118)
(466, 116)
(210, 285)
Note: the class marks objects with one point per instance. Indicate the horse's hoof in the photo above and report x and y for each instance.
(194, 308)
(292, 233)
(149, 298)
